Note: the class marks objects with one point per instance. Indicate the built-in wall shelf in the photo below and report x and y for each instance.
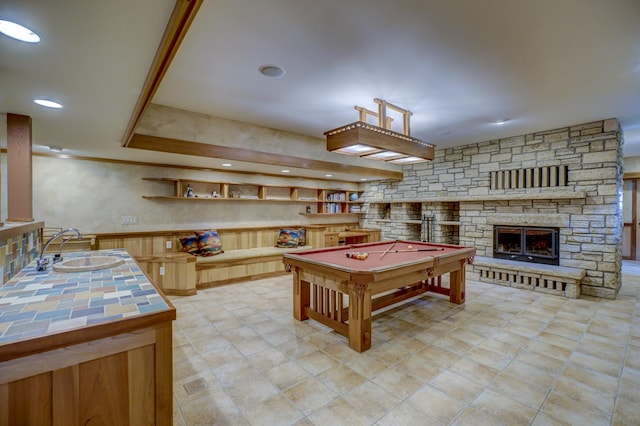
(410, 222)
(320, 201)
(539, 195)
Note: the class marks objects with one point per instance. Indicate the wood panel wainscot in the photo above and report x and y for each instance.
(107, 363)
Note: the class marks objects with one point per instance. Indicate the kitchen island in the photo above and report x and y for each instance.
(85, 347)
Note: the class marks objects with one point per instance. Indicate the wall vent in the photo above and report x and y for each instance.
(535, 177)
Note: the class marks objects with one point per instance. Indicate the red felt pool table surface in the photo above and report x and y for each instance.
(377, 259)
(338, 291)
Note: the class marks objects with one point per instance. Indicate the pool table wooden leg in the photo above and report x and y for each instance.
(301, 297)
(457, 285)
(359, 317)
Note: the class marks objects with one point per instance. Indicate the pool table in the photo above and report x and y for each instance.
(338, 291)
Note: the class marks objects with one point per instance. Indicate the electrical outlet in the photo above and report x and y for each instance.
(162, 270)
(129, 220)
(169, 244)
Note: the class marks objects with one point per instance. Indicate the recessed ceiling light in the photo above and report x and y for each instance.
(363, 178)
(286, 171)
(226, 164)
(18, 32)
(273, 71)
(501, 122)
(328, 175)
(47, 103)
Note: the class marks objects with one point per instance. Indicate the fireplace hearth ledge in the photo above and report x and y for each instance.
(549, 279)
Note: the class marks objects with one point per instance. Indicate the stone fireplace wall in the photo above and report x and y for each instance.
(456, 188)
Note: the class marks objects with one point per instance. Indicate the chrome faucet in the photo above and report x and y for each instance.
(41, 261)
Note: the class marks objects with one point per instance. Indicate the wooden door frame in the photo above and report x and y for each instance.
(634, 217)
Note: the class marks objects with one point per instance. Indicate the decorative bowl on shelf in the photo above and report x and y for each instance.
(353, 197)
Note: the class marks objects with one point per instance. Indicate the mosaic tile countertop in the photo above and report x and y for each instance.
(37, 303)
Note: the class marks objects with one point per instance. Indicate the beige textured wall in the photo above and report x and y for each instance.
(93, 196)
(632, 164)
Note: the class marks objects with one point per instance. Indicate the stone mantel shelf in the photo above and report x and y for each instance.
(543, 195)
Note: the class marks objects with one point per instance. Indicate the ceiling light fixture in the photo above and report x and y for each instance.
(286, 171)
(18, 32)
(501, 122)
(48, 103)
(226, 164)
(379, 142)
(272, 71)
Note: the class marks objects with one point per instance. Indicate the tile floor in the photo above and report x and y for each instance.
(506, 356)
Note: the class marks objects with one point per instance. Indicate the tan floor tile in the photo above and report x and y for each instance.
(342, 352)
(372, 400)
(267, 359)
(310, 395)
(405, 415)
(626, 413)
(551, 350)
(339, 413)
(457, 386)
(419, 368)
(454, 344)
(595, 363)
(543, 419)
(588, 395)
(524, 392)
(630, 385)
(554, 339)
(438, 356)
(505, 409)
(219, 357)
(397, 382)
(605, 384)
(240, 357)
(368, 365)
(296, 348)
(317, 362)
(515, 340)
(490, 358)
(536, 359)
(470, 369)
(390, 352)
(473, 416)
(341, 379)
(276, 410)
(212, 411)
(250, 392)
(573, 412)
(436, 404)
(286, 374)
(530, 374)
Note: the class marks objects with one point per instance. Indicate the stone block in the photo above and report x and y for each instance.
(611, 125)
(572, 291)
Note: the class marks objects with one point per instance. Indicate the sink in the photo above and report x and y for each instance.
(92, 263)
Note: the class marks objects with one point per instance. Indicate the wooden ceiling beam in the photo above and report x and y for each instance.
(177, 146)
(181, 18)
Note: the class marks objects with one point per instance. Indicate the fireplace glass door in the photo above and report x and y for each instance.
(527, 244)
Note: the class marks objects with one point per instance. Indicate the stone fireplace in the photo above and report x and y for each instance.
(569, 179)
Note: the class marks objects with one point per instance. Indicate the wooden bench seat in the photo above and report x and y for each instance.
(249, 253)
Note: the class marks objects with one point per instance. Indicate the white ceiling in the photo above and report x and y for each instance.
(458, 65)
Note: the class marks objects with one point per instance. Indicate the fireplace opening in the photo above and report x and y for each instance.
(526, 244)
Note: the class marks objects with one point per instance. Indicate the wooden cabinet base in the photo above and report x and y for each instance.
(173, 273)
(121, 380)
